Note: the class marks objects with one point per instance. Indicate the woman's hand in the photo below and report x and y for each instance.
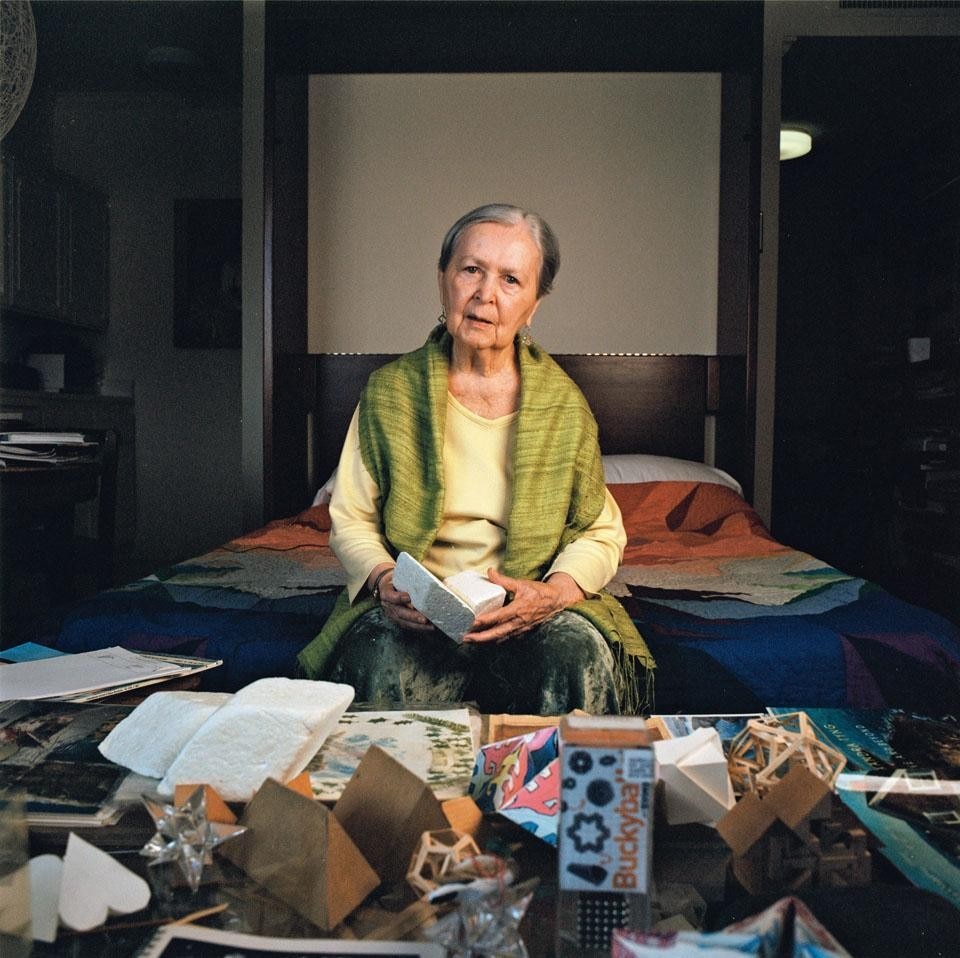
(395, 604)
(533, 602)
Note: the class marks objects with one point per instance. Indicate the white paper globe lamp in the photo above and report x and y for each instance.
(18, 59)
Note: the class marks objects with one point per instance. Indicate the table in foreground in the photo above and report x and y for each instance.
(886, 918)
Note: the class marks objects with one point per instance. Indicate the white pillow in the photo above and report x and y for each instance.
(325, 492)
(637, 467)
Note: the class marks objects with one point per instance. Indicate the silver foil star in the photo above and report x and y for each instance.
(487, 925)
(185, 836)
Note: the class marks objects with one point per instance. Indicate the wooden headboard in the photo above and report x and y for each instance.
(653, 404)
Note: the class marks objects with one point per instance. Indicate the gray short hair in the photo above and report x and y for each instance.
(507, 215)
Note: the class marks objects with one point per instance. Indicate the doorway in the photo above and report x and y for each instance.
(868, 317)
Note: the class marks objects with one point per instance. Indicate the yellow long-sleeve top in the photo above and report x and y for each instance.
(477, 473)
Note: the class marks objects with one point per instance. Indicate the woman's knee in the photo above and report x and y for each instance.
(564, 664)
(388, 666)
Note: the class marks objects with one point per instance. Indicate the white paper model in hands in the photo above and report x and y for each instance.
(451, 605)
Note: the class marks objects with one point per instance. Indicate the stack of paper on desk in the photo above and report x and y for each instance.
(43, 447)
(87, 674)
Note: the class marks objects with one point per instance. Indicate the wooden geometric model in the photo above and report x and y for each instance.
(438, 853)
(767, 748)
(788, 838)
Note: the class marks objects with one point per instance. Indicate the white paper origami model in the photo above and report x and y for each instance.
(697, 785)
(269, 729)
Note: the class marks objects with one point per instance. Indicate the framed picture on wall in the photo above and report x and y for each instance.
(206, 289)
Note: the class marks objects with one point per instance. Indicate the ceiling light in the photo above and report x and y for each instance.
(794, 143)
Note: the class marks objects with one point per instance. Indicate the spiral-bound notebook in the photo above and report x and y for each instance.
(181, 941)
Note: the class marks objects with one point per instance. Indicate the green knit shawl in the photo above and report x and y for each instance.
(557, 490)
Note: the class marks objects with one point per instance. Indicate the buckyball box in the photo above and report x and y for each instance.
(605, 839)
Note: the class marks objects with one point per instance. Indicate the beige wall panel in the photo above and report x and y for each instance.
(625, 167)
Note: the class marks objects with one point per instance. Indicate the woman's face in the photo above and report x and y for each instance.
(489, 288)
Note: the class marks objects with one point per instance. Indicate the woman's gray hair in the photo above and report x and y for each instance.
(507, 215)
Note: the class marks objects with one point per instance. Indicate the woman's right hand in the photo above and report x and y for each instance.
(396, 605)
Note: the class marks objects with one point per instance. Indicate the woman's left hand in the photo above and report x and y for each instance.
(532, 603)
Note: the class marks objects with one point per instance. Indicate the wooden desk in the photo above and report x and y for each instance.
(36, 538)
(27, 490)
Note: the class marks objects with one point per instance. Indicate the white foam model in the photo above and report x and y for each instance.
(153, 734)
(451, 605)
(269, 729)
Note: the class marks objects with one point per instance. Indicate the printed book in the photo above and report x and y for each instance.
(676, 726)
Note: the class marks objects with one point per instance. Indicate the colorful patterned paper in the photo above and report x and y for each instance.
(518, 778)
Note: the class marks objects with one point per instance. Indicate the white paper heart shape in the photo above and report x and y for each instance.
(94, 885)
(45, 874)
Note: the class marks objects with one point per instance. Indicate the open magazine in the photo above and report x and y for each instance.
(902, 781)
(49, 759)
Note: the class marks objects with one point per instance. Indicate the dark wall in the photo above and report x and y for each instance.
(861, 248)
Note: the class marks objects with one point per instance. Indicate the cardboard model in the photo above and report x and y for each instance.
(299, 851)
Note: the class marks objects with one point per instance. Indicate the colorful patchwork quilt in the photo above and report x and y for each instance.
(735, 620)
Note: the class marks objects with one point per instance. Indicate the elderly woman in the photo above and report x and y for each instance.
(477, 452)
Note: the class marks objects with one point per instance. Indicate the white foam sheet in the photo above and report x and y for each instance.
(269, 729)
(153, 734)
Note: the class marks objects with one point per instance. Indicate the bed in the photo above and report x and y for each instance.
(735, 620)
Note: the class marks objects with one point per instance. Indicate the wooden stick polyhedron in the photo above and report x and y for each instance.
(437, 853)
(765, 750)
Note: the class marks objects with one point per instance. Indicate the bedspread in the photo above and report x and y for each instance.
(735, 620)
(738, 621)
(254, 602)
(703, 539)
